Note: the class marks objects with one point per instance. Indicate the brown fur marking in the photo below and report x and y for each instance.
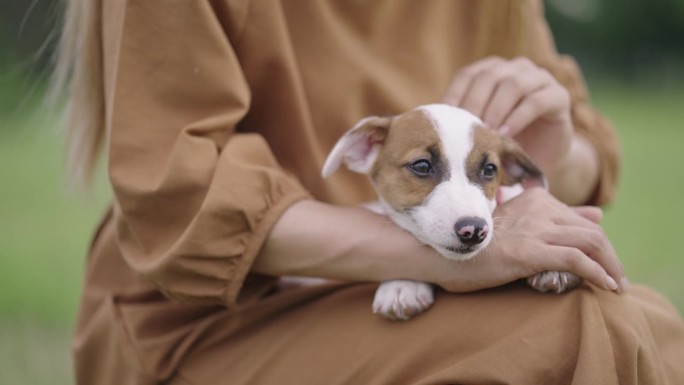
(487, 148)
(412, 136)
(503, 152)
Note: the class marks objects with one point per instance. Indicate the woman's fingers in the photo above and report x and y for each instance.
(474, 87)
(507, 93)
(584, 217)
(461, 83)
(485, 84)
(592, 243)
(570, 259)
(579, 228)
(510, 91)
(592, 213)
(549, 100)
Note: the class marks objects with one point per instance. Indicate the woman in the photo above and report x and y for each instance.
(217, 117)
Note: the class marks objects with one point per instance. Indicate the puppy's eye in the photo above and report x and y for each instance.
(421, 167)
(489, 171)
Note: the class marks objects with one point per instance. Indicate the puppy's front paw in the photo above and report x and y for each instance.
(554, 281)
(399, 300)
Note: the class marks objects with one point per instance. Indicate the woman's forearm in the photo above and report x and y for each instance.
(321, 240)
(574, 181)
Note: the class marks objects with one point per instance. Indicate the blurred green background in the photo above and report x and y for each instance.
(633, 57)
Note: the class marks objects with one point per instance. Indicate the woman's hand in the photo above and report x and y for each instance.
(533, 233)
(521, 100)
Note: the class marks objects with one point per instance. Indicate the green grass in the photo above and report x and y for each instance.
(33, 353)
(44, 232)
(643, 223)
(45, 228)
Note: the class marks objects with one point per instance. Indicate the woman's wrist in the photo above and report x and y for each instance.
(574, 180)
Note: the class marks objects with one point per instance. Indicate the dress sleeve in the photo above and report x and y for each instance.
(194, 199)
(587, 121)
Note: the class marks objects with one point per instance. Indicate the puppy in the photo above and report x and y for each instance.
(437, 172)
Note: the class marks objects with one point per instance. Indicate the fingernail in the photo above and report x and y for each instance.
(504, 130)
(610, 282)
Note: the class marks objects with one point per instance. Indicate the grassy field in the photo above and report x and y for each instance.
(44, 228)
(44, 231)
(642, 223)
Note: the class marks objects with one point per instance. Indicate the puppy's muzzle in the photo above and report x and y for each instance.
(471, 231)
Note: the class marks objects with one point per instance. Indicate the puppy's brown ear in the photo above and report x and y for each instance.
(359, 147)
(518, 167)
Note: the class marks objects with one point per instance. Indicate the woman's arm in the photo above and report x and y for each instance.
(322, 240)
(575, 179)
(348, 243)
(194, 197)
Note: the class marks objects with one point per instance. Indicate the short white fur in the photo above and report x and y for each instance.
(433, 221)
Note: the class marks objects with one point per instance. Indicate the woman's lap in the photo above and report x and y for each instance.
(509, 335)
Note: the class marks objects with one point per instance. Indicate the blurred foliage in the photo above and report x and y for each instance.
(27, 31)
(621, 39)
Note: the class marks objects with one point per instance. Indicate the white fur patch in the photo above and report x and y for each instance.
(456, 197)
(401, 299)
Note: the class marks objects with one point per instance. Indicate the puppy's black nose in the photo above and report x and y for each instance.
(471, 230)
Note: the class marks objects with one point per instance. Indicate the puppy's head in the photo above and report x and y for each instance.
(437, 171)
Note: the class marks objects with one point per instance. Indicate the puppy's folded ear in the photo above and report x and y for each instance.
(519, 168)
(359, 147)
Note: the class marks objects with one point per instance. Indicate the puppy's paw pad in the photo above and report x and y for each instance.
(554, 281)
(400, 300)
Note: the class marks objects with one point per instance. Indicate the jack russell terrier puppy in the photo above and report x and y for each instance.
(438, 172)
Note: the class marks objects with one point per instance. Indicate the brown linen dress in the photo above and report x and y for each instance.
(219, 115)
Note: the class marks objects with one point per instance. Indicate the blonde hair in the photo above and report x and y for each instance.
(78, 76)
